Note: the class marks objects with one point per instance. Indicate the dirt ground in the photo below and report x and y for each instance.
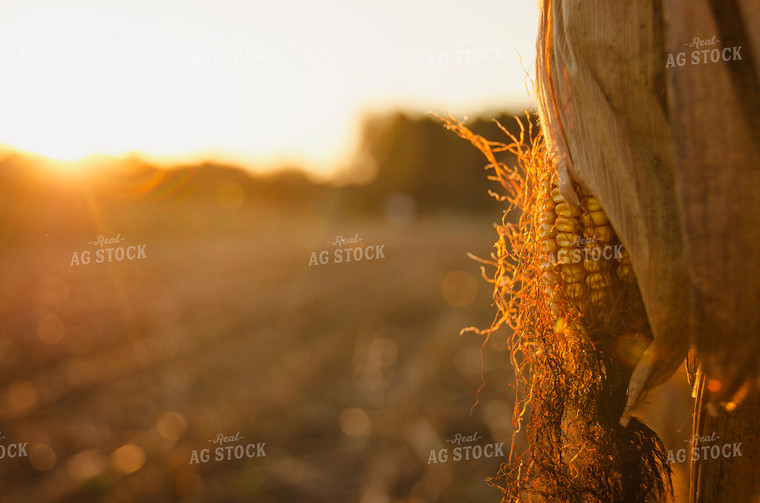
(348, 379)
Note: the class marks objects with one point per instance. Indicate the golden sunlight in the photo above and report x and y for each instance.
(246, 83)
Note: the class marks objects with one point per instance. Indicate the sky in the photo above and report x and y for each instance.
(253, 83)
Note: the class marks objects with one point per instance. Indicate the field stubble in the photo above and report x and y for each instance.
(351, 373)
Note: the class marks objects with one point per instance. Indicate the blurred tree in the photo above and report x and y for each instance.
(418, 157)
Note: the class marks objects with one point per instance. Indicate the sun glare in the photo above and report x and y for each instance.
(259, 84)
(67, 155)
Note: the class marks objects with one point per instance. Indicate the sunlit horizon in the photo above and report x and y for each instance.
(257, 86)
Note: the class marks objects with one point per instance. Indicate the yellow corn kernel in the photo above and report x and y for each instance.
(594, 218)
(597, 280)
(602, 233)
(573, 273)
(592, 204)
(592, 265)
(574, 290)
(547, 231)
(567, 210)
(565, 224)
(597, 297)
(549, 216)
(568, 255)
(593, 250)
(549, 246)
(567, 239)
(557, 196)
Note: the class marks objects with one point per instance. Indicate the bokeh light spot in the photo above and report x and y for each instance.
(171, 426)
(42, 457)
(354, 422)
(21, 396)
(382, 352)
(84, 465)
(714, 385)
(127, 459)
(50, 329)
